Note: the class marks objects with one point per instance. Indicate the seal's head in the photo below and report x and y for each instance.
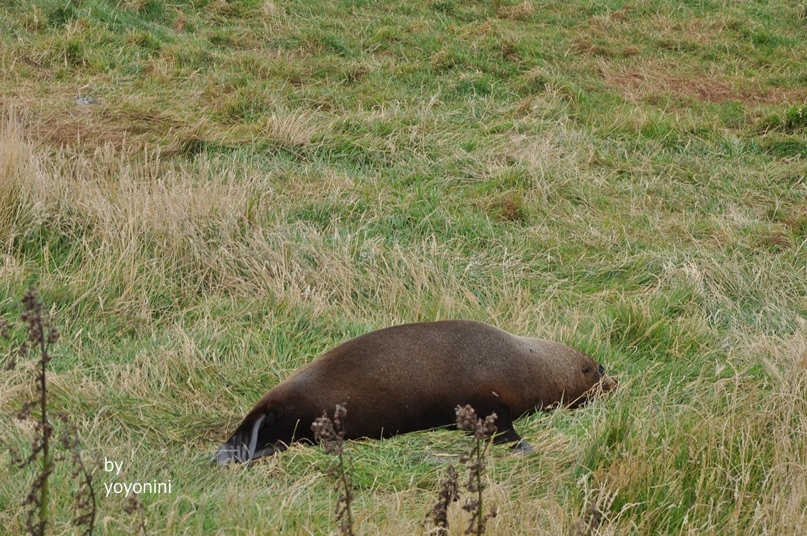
(602, 383)
(566, 376)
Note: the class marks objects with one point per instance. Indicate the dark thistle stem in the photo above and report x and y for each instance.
(37, 327)
(133, 505)
(85, 498)
(41, 334)
(47, 467)
(331, 433)
(449, 493)
(475, 462)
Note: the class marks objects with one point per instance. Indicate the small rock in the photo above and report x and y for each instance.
(86, 100)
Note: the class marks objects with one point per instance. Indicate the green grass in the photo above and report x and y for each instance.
(257, 181)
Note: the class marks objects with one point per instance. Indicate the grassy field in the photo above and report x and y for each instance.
(211, 193)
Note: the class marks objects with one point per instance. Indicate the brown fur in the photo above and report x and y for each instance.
(411, 377)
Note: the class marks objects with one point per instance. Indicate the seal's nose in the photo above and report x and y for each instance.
(608, 383)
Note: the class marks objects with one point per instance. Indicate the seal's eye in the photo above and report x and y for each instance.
(586, 369)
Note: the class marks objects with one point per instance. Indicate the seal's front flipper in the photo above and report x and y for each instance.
(519, 446)
(504, 424)
(522, 447)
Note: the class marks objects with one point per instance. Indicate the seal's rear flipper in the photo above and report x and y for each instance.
(244, 446)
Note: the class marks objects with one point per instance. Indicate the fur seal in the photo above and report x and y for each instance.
(411, 377)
